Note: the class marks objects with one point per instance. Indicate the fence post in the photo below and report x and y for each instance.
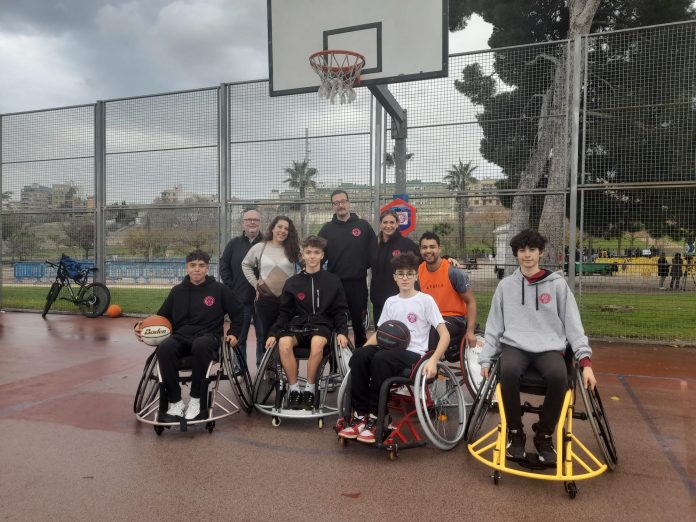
(99, 190)
(576, 82)
(223, 164)
(377, 138)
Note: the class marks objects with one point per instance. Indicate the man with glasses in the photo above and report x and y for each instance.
(232, 276)
(451, 289)
(350, 240)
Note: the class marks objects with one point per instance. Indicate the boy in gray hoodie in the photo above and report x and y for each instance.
(532, 317)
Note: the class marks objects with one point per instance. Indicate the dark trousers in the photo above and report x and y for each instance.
(356, 296)
(370, 366)
(202, 349)
(248, 315)
(377, 312)
(552, 368)
(266, 311)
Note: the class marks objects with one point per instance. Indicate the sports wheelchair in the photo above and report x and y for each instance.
(270, 391)
(437, 404)
(575, 461)
(226, 389)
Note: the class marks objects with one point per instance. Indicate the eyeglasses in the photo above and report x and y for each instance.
(339, 203)
(405, 275)
(252, 220)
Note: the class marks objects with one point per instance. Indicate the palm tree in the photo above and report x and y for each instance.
(301, 178)
(457, 178)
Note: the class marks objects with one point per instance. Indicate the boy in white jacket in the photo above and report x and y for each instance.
(532, 317)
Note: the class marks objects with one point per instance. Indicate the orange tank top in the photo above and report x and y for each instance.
(438, 285)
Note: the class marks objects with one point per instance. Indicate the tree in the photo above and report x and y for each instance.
(79, 233)
(444, 231)
(18, 237)
(389, 159)
(301, 175)
(6, 196)
(532, 153)
(152, 237)
(458, 178)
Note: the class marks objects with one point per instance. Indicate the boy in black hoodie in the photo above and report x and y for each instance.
(314, 298)
(196, 307)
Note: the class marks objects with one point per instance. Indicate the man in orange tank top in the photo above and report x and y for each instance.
(451, 289)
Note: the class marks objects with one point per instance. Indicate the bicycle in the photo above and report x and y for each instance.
(91, 298)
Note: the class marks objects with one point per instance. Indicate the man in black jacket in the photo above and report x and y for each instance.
(350, 242)
(231, 274)
(196, 307)
(312, 300)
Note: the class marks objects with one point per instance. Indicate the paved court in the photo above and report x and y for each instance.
(71, 448)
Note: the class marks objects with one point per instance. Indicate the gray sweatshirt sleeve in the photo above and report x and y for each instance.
(570, 314)
(495, 326)
(250, 262)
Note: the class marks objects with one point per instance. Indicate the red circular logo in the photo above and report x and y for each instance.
(396, 253)
(209, 300)
(545, 298)
(301, 296)
(412, 318)
(356, 232)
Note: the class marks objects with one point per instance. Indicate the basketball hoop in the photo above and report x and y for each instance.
(338, 72)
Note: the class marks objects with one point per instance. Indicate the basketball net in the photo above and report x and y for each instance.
(338, 72)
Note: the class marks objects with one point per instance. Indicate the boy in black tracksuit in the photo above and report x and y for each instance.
(314, 299)
(196, 307)
(350, 240)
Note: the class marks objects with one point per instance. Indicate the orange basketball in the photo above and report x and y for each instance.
(155, 329)
(113, 311)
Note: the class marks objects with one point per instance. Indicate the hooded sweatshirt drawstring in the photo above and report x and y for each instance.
(536, 290)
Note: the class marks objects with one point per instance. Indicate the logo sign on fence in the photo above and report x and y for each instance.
(406, 213)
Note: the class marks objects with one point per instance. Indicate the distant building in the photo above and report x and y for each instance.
(35, 197)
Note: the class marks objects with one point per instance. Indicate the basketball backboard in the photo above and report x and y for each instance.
(401, 40)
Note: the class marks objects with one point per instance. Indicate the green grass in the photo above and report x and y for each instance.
(667, 316)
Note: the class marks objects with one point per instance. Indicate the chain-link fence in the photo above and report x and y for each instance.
(133, 184)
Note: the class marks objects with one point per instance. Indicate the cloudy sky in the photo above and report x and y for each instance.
(59, 53)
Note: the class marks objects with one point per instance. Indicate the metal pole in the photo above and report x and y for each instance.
(574, 146)
(223, 165)
(2, 265)
(378, 134)
(99, 191)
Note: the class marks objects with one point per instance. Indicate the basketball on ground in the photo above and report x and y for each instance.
(113, 311)
(393, 335)
(155, 329)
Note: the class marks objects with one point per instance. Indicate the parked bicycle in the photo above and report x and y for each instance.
(91, 298)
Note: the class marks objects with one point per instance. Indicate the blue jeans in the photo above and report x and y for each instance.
(247, 316)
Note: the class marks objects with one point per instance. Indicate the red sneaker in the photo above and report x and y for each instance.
(369, 432)
(352, 428)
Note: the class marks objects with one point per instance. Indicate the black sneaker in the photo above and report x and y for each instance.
(295, 400)
(516, 439)
(544, 446)
(308, 400)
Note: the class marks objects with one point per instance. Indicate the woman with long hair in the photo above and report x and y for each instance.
(268, 265)
(390, 243)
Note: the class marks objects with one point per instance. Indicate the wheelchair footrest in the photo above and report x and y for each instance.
(533, 462)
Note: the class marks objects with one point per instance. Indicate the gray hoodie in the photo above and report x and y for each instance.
(534, 317)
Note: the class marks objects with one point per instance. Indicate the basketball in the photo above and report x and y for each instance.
(113, 311)
(155, 329)
(393, 335)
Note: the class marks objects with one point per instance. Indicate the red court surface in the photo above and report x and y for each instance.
(71, 449)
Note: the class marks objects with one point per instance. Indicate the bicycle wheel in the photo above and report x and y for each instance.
(94, 299)
(51, 297)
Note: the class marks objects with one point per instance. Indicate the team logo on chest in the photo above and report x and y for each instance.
(396, 252)
(412, 318)
(301, 296)
(545, 298)
(208, 300)
(356, 232)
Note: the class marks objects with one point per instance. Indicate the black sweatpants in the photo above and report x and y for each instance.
(266, 311)
(551, 366)
(203, 349)
(356, 296)
(370, 366)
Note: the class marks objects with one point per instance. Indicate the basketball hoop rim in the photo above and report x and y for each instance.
(359, 64)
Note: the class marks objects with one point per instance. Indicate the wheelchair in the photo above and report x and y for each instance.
(574, 459)
(437, 404)
(463, 361)
(270, 390)
(226, 390)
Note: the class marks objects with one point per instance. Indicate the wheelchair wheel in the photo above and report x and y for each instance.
(343, 356)
(482, 403)
(148, 387)
(94, 299)
(237, 371)
(440, 406)
(343, 398)
(51, 297)
(267, 378)
(472, 369)
(598, 421)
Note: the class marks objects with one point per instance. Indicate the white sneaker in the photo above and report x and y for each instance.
(193, 409)
(176, 409)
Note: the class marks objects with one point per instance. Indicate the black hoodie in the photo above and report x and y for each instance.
(196, 310)
(349, 246)
(316, 299)
(382, 285)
